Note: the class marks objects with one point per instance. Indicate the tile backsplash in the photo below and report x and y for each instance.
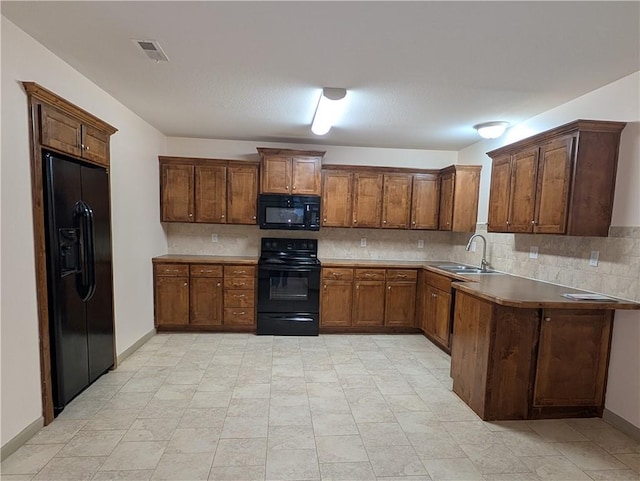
(561, 259)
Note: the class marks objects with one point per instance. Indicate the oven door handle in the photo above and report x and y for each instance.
(291, 318)
(271, 267)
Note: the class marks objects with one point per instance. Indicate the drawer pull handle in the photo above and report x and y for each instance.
(401, 276)
(238, 285)
(239, 272)
(239, 296)
(336, 274)
(241, 313)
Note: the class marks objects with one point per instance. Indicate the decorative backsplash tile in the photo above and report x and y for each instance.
(561, 259)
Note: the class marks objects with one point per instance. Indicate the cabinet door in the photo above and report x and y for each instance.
(305, 175)
(172, 301)
(59, 131)
(95, 145)
(275, 177)
(425, 201)
(177, 193)
(242, 194)
(336, 198)
(499, 194)
(446, 201)
(336, 303)
(367, 201)
(206, 301)
(441, 312)
(524, 170)
(554, 178)
(400, 304)
(368, 303)
(211, 194)
(396, 200)
(571, 342)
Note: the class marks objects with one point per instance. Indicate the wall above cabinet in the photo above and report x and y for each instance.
(561, 181)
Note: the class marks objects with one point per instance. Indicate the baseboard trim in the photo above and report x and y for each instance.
(135, 346)
(621, 424)
(22, 437)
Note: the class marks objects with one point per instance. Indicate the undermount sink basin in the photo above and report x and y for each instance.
(461, 269)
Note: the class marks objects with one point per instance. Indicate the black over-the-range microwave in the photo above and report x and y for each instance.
(291, 212)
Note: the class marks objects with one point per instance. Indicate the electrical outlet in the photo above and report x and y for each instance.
(473, 246)
(363, 242)
(420, 244)
(533, 252)
(214, 237)
(593, 261)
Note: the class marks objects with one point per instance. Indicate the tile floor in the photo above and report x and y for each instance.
(239, 407)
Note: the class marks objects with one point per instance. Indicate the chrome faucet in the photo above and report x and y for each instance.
(483, 263)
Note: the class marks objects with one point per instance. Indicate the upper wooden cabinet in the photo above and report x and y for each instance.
(396, 201)
(398, 198)
(294, 172)
(208, 190)
(459, 189)
(68, 129)
(558, 182)
(425, 201)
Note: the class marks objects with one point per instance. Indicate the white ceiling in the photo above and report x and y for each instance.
(419, 74)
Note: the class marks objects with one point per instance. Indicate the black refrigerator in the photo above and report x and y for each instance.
(79, 274)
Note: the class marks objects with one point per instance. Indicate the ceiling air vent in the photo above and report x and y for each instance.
(153, 50)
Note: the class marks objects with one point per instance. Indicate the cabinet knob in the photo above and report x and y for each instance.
(547, 319)
(286, 187)
(222, 216)
(414, 222)
(325, 286)
(218, 284)
(324, 220)
(355, 221)
(448, 223)
(533, 222)
(389, 287)
(384, 221)
(294, 187)
(185, 284)
(508, 222)
(86, 147)
(82, 146)
(190, 215)
(357, 287)
(254, 217)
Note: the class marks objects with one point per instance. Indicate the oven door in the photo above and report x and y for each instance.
(288, 289)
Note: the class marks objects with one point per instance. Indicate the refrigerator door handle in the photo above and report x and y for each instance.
(86, 278)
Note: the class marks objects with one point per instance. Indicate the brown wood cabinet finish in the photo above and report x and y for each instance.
(368, 303)
(58, 134)
(171, 300)
(459, 189)
(529, 363)
(68, 134)
(396, 201)
(336, 303)
(239, 295)
(337, 198)
(400, 300)
(367, 200)
(210, 191)
(425, 201)
(205, 304)
(562, 181)
(286, 171)
(436, 315)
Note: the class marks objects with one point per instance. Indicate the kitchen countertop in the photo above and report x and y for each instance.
(203, 259)
(504, 289)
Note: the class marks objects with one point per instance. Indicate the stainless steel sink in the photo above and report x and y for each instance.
(462, 269)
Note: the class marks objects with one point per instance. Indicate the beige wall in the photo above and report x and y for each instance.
(136, 232)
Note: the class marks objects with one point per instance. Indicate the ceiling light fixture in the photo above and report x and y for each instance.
(329, 109)
(491, 130)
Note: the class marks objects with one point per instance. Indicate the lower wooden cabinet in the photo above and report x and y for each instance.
(361, 298)
(528, 363)
(202, 296)
(435, 308)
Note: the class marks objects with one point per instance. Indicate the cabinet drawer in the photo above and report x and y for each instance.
(239, 298)
(172, 270)
(436, 280)
(337, 273)
(238, 282)
(239, 271)
(402, 275)
(370, 274)
(239, 316)
(205, 270)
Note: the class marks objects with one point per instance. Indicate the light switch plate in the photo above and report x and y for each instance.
(214, 237)
(363, 242)
(593, 261)
(420, 244)
(533, 252)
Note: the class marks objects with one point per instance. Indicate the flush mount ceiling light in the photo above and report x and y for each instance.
(491, 130)
(329, 109)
